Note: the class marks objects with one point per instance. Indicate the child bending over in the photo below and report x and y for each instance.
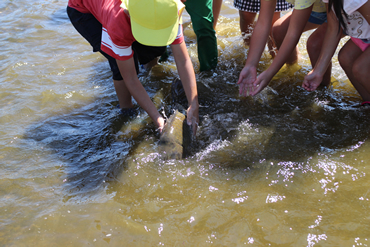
(287, 30)
(112, 27)
(352, 17)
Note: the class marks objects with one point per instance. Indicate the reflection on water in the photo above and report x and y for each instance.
(286, 167)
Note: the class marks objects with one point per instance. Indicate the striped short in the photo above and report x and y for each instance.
(255, 5)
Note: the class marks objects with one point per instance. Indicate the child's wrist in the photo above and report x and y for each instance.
(194, 102)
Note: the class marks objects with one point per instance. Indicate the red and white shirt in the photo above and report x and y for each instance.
(117, 36)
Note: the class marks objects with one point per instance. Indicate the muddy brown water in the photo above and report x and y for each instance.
(285, 168)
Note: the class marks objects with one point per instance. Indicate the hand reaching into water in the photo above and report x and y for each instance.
(193, 117)
(160, 123)
(311, 81)
(247, 77)
(262, 81)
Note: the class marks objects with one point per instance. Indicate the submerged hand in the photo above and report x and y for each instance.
(311, 81)
(160, 123)
(247, 77)
(193, 117)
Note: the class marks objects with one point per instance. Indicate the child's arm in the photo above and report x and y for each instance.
(187, 76)
(128, 72)
(297, 23)
(313, 79)
(365, 11)
(216, 9)
(258, 41)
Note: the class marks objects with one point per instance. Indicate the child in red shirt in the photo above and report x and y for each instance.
(113, 27)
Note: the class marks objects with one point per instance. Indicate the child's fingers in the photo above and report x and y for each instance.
(255, 90)
(258, 86)
(305, 85)
(240, 80)
(242, 89)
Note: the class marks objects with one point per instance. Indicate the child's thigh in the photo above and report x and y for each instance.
(282, 24)
(316, 39)
(349, 53)
(362, 64)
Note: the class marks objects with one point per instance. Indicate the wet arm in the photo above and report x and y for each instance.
(187, 76)
(331, 40)
(261, 32)
(296, 27)
(365, 11)
(128, 72)
(258, 41)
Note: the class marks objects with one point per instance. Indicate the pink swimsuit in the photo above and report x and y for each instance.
(362, 45)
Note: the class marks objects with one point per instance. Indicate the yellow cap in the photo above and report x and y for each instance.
(154, 22)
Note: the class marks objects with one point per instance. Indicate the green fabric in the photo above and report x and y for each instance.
(201, 15)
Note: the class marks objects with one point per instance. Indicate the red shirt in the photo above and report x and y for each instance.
(117, 36)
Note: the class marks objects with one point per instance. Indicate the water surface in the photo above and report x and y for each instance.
(285, 168)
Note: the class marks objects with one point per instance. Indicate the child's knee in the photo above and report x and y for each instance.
(314, 45)
(278, 33)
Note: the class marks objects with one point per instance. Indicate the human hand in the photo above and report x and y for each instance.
(160, 123)
(311, 81)
(192, 118)
(262, 81)
(246, 78)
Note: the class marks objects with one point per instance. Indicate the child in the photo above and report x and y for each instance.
(112, 28)
(248, 10)
(352, 17)
(307, 15)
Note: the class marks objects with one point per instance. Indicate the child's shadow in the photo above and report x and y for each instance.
(84, 139)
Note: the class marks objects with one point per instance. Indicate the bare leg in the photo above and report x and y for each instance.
(271, 43)
(356, 65)
(279, 31)
(246, 22)
(247, 25)
(124, 96)
(314, 44)
(362, 74)
(216, 7)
